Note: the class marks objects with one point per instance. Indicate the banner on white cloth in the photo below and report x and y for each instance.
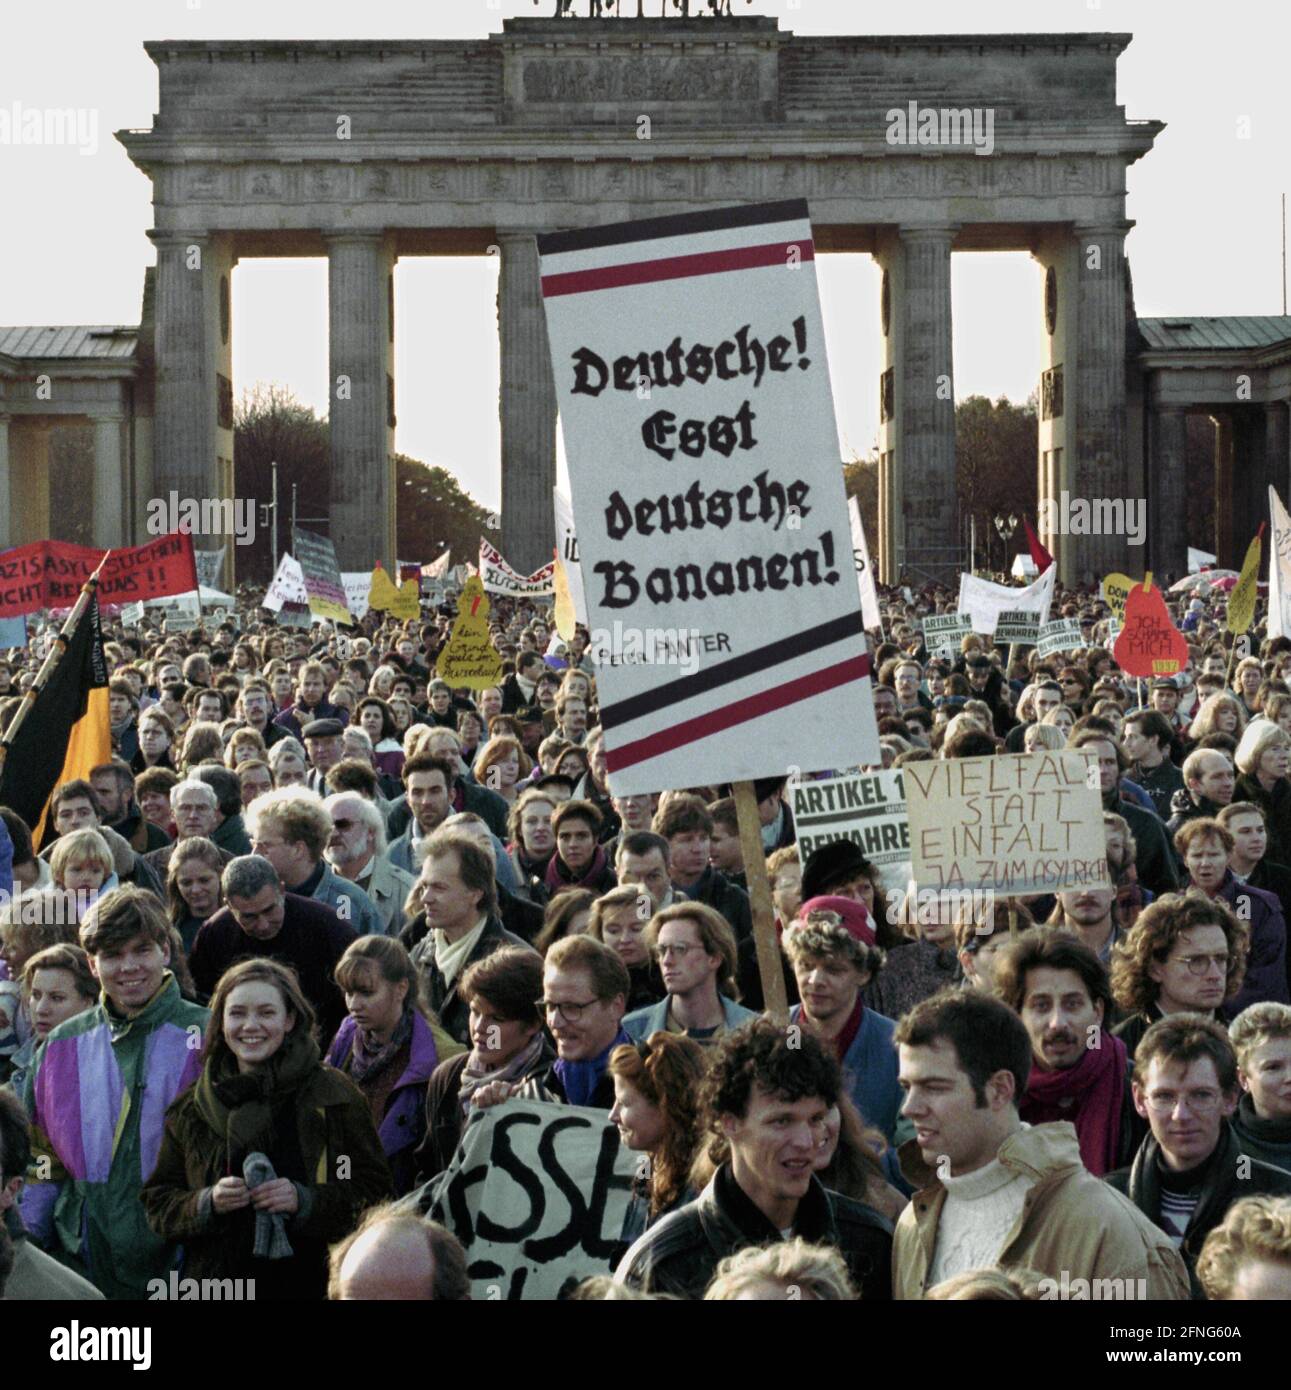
(864, 569)
(984, 601)
(1279, 568)
(690, 370)
(287, 585)
(500, 578)
(567, 549)
(537, 1193)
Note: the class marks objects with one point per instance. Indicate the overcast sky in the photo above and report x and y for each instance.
(1206, 200)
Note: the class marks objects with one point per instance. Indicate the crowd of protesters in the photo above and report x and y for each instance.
(321, 911)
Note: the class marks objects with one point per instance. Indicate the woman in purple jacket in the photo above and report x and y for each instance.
(389, 1045)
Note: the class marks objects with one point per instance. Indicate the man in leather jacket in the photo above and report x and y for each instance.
(767, 1095)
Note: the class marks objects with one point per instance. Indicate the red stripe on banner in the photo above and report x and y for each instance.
(738, 713)
(676, 267)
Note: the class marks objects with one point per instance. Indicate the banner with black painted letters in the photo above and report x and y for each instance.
(537, 1193)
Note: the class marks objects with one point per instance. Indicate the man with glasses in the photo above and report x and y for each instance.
(585, 989)
(1186, 953)
(356, 851)
(697, 955)
(1191, 1168)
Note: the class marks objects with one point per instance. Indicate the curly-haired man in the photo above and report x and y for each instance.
(767, 1094)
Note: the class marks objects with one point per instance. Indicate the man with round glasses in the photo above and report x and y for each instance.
(1191, 1168)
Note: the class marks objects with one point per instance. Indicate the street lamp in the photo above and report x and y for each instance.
(1006, 527)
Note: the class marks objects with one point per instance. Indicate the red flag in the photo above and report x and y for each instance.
(1039, 555)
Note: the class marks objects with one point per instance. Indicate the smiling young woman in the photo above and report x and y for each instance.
(264, 1090)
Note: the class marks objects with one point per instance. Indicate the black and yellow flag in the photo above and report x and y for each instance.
(66, 732)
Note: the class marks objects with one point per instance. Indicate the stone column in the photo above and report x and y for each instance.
(360, 270)
(527, 406)
(928, 406)
(1223, 423)
(109, 528)
(194, 364)
(920, 436)
(29, 518)
(6, 504)
(1277, 451)
(1099, 467)
(1167, 515)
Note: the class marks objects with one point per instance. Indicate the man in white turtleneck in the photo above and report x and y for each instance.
(994, 1191)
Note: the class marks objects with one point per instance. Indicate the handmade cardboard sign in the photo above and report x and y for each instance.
(324, 587)
(1149, 644)
(469, 658)
(699, 429)
(1013, 824)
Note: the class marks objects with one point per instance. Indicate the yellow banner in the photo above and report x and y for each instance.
(1241, 602)
(1116, 589)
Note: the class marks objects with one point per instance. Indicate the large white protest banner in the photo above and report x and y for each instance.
(694, 397)
(567, 549)
(500, 578)
(537, 1193)
(866, 808)
(1017, 823)
(984, 601)
(864, 569)
(1279, 568)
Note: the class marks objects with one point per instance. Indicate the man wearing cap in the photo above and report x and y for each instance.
(324, 742)
(1164, 698)
(831, 946)
(533, 728)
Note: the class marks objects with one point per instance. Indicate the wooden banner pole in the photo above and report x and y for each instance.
(755, 873)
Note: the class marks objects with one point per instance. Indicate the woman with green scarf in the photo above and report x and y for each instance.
(271, 1156)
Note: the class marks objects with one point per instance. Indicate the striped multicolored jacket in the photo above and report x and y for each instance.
(97, 1094)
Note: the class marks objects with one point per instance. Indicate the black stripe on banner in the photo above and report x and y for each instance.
(676, 224)
(760, 659)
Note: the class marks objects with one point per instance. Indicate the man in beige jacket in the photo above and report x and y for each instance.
(994, 1191)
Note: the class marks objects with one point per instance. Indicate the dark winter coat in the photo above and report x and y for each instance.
(329, 1132)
